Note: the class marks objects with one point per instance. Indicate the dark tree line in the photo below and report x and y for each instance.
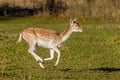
(105, 9)
(48, 7)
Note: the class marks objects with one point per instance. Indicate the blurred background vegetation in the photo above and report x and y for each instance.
(101, 9)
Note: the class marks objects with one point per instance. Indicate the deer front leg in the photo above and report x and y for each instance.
(58, 58)
(51, 55)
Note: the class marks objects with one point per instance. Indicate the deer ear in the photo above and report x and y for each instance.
(75, 19)
(71, 21)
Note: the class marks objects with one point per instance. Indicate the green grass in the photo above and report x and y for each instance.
(91, 55)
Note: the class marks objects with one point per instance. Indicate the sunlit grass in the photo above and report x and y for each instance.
(91, 55)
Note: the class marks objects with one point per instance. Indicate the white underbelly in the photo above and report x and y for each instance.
(45, 44)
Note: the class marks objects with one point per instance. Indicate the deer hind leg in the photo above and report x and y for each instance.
(51, 55)
(33, 50)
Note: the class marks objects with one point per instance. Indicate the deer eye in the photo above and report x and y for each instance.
(74, 22)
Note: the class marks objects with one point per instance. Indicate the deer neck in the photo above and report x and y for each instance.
(65, 34)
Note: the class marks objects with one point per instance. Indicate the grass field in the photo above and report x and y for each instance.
(91, 55)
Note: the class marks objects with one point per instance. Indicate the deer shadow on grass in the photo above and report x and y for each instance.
(104, 69)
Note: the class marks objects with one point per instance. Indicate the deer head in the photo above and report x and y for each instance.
(75, 26)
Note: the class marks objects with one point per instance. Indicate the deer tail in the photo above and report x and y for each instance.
(20, 38)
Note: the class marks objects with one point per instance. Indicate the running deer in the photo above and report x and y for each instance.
(48, 39)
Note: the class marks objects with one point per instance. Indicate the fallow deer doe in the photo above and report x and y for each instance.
(48, 39)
